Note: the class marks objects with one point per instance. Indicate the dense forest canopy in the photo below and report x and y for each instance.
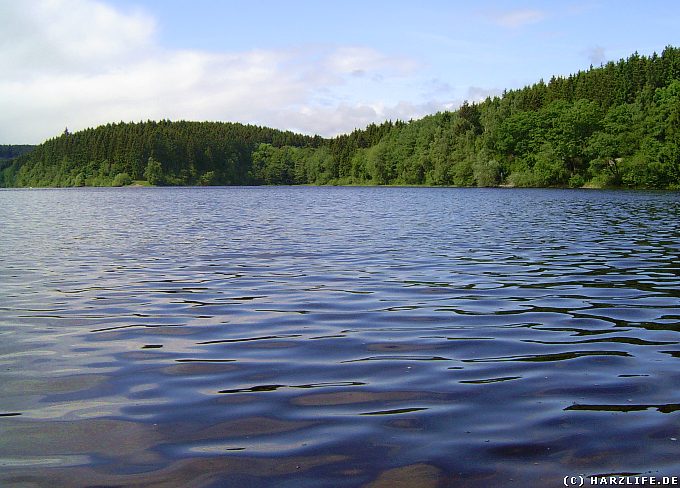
(11, 151)
(613, 125)
(167, 153)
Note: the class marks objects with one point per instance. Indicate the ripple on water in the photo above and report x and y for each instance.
(337, 336)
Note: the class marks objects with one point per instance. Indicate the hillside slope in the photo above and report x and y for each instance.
(614, 125)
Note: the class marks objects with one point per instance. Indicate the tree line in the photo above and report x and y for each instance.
(163, 153)
(613, 125)
(11, 151)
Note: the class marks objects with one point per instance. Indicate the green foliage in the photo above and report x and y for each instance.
(577, 181)
(616, 125)
(153, 173)
(9, 151)
(208, 178)
(486, 172)
(184, 153)
(549, 167)
(121, 179)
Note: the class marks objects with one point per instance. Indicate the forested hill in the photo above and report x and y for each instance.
(170, 153)
(614, 125)
(9, 151)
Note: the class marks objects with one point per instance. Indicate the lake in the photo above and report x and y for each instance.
(304, 336)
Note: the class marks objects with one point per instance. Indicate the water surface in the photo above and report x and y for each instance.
(337, 336)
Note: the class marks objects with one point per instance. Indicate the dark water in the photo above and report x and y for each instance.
(300, 337)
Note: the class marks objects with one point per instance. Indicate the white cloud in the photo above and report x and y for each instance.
(52, 36)
(362, 60)
(519, 18)
(346, 117)
(479, 94)
(596, 55)
(81, 63)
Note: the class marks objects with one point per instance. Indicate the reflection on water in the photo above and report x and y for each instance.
(337, 336)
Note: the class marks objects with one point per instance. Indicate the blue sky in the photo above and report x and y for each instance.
(310, 66)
